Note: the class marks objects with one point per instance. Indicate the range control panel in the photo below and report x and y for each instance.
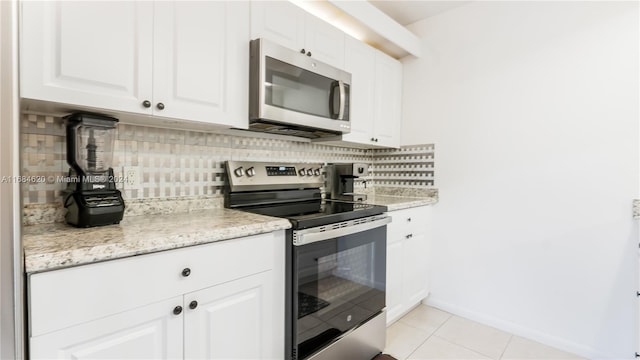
(251, 175)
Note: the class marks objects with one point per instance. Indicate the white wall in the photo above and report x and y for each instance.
(533, 107)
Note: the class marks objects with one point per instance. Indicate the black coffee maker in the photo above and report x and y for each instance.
(340, 179)
(91, 197)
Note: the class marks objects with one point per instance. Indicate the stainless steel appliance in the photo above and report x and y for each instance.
(340, 178)
(336, 259)
(294, 94)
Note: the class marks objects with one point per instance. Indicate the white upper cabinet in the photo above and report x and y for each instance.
(179, 60)
(324, 42)
(278, 21)
(201, 61)
(388, 101)
(376, 96)
(74, 52)
(360, 62)
(292, 27)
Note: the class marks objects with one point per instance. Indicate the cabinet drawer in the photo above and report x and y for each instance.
(62, 298)
(408, 221)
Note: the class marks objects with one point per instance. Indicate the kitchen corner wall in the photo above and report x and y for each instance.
(183, 170)
(534, 107)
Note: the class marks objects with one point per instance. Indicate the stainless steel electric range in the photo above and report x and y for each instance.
(336, 259)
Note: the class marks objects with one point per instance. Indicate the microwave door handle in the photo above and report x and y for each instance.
(335, 113)
(343, 98)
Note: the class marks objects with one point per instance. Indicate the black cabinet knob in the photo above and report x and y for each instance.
(160, 106)
(146, 103)
(373, 139)
(193, 305)
(177, 310)
(303, 51)
(186, 272)
(409, 219)
(309, 54)
(376, 139)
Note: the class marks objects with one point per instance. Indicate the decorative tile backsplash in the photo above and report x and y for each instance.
(409, 166)
(180, 164)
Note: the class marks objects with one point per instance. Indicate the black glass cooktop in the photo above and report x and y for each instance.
(332, 211)
(304, 208)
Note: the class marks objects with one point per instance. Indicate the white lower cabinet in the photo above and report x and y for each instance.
(148, 332)
(407, 260)
(232, 320)
(222, 300)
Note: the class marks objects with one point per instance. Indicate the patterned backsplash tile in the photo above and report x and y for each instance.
(180, 164)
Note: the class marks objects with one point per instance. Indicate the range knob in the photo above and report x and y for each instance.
(302, 172)
(239, 172)
(309, 172)
(251, 171)
(316, 172)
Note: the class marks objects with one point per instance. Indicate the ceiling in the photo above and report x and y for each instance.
(409, 11)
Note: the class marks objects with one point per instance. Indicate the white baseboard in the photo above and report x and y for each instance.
(519, 330)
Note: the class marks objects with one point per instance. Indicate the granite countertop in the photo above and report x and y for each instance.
(57, 245)
(393, 202)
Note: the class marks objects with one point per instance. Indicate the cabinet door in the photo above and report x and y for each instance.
(388, 97)
(234, 320)
(148, 332)
(201, 61)
(324, 41)
(394, 293)
(416, 268)
(360, 62)
(96, 53)
(278, 21)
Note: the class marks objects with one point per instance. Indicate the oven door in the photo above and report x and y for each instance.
(337, 281)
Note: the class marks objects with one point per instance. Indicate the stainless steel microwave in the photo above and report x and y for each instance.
(293, 94)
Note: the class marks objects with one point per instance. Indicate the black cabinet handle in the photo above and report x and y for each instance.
(193, 305)
(303, 51)
(373, 139)
(409, 219)
(160, 106)
(177, 310)
(409, 236)
(186, 272)
(146, 103)
(376, 139)
(309, 54)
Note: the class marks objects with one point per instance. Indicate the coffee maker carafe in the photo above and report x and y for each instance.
(340, 179)
(91, 197)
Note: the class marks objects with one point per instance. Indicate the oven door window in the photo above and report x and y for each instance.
(292, 88)
(340, 284)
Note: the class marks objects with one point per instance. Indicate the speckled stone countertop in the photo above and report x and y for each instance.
(400, 202)
(54, 246)
(397, 198)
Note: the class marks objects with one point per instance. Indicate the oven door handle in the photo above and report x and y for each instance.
(308, 236)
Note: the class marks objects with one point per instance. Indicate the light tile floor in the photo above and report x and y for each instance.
(430, 333)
